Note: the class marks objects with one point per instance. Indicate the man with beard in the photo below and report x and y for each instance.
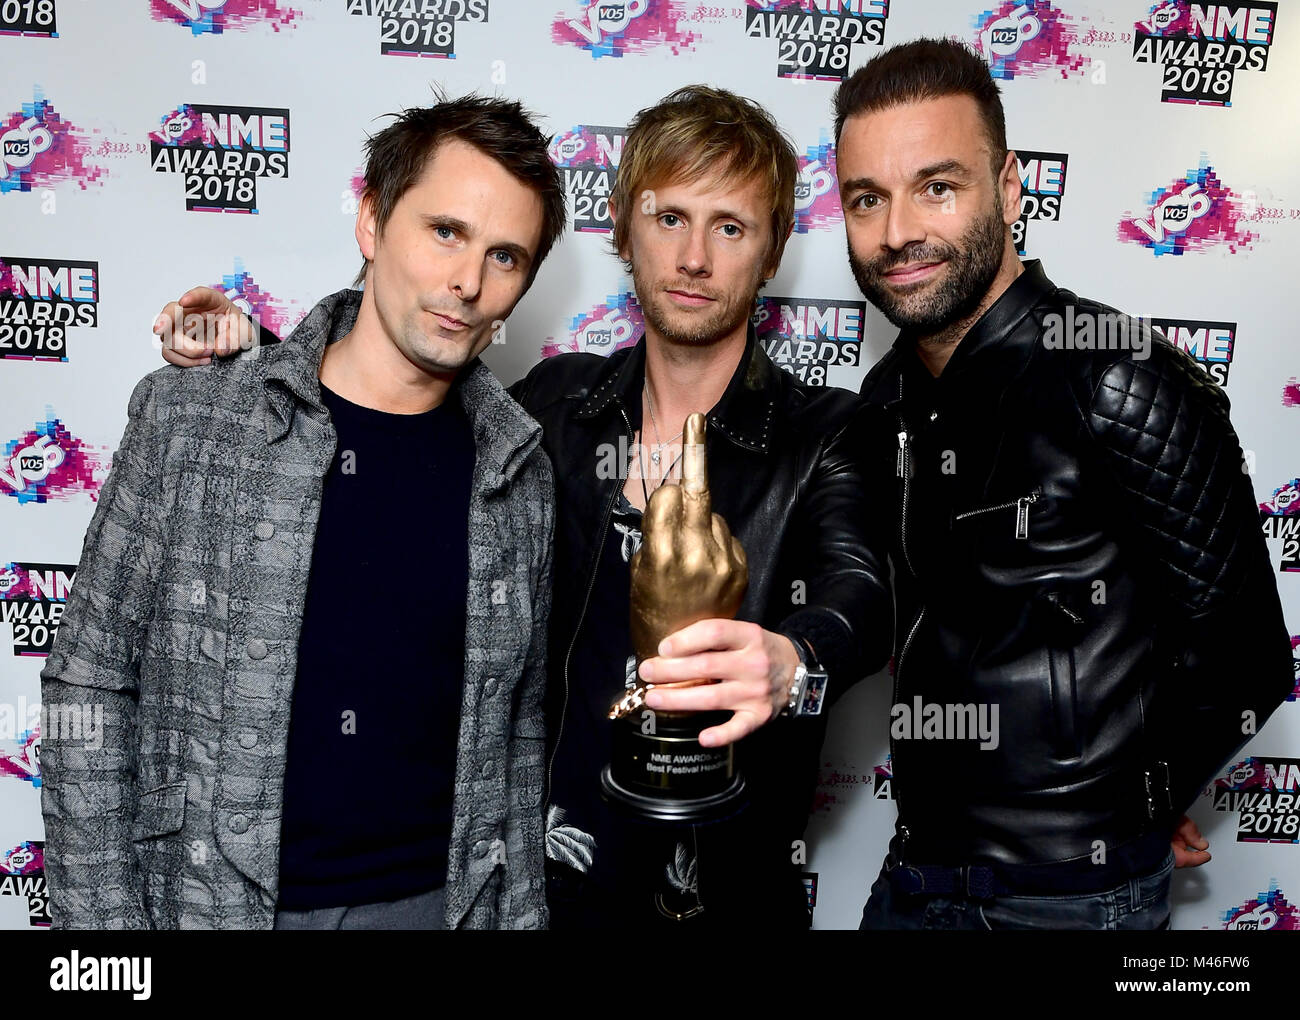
(1077, 552)
(703, 207)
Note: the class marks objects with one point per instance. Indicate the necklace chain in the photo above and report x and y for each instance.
(659, 444)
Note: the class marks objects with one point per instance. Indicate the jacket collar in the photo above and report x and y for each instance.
(743, 413)
(996, 326)
(504, 434)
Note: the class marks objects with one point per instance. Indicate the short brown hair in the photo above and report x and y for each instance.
(925, 69)
(699, 129)
(500, 128)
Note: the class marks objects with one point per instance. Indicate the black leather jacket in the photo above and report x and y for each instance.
(785, 475)
(1076, 542)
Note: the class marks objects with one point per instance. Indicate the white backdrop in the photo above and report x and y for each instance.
(104, 101)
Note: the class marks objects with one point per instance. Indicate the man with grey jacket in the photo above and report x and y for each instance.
(313, 598)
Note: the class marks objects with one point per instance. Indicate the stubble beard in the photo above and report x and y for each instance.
(707, 325)
(970, 269)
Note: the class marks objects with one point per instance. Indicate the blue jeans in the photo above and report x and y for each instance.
(1141, 903)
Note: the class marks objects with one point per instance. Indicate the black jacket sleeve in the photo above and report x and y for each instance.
(1182, 484)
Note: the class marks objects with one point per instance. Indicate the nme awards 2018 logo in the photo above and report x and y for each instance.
(1280, 516)
(1029, 38)
(48, 462)
(815, 37)
(1200, 47)
(1269, 911)
(1210, 343)
(611, 28)
(221, 151)
(39, 300)
(24, 875)
(588, 158)
(1192, 214)
(612, 325)
(809, 336)
(1266, 793)
(32, 599)
(218, 16)
(884, 779)
(30, 17)
(38, 148)
(420, 28)
(1042, 188)
(816, 199)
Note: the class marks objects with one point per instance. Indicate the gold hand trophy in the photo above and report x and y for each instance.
(689, 567)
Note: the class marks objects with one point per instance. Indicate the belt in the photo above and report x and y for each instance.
(970, 881)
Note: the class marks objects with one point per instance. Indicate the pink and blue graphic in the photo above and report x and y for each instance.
(183, 126)
(1285, 501)
(816, 198)
(280, 317)
(38, 148)
(27, 858)
(25, 762)
(16, 583)
(1193, 214)
(1295, 657)
(49, 462)
(1269, 911)
(1169, 17)
(1032, 39)
(218, 16)
(612, 28)
(613, 324)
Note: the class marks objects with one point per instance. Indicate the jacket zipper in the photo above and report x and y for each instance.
(591, 585)
(1022, 512)
(904, 472)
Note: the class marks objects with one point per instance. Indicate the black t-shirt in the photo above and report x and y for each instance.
(371, 763)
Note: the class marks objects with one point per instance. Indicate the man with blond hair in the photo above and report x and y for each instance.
(703, 207)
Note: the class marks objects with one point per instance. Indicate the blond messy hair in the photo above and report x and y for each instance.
(698, 130)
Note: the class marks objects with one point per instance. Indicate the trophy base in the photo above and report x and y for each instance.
(682, 810)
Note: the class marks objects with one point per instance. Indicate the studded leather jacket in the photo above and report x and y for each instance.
(785, 475)
(1078, 556)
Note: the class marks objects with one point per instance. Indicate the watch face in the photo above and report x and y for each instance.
(814, 689)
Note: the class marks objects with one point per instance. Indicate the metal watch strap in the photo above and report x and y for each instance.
(805, 697)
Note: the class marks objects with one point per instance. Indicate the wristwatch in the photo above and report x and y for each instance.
(808, 685)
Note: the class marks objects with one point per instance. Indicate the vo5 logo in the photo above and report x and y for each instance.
(608, 18)
(21, 145)
(1175, 213)
(31, 464)
(1005, 36)
(813, 182)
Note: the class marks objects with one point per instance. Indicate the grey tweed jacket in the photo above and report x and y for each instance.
(183, 624)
